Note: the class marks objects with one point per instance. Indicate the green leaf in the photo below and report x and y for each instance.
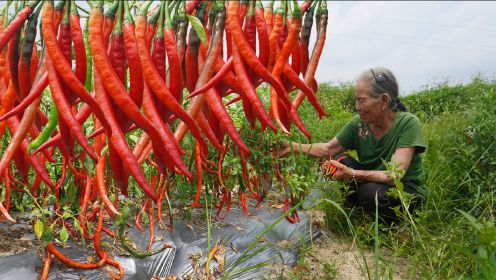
(198, 27)
(38, 228)
(47, 236)
(63, 235)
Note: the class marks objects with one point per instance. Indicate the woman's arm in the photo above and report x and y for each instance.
(318, 150)
(402, 156)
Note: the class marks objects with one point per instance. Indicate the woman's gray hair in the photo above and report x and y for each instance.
(382, 80)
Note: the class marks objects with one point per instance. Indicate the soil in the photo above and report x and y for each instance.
(17, 238)
(331, 257)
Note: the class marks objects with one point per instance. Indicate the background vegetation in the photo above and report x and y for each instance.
(453, 234)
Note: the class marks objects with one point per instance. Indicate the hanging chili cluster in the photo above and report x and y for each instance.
(162, 71)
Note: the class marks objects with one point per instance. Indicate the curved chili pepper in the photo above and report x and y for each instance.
(5, 213)
(39, 84)
(137, 220)
(100, 182)
(289, 73)
(217, 78)
(249, 90)
(72, 263)
(134, 252)
(17, 23)
(81, 117)
(215, 103)
(47, 130)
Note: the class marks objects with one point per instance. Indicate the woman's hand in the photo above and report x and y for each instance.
(343, 172)
(283, 150)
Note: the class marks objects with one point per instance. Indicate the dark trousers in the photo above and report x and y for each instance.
(363, 195)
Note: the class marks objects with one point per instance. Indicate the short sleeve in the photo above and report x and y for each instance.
(346, 136)
(412, 135)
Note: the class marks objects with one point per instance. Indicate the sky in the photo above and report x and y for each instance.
(421, 42)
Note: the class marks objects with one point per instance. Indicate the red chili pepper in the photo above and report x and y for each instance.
(172, 146)
(191, 61)
(289, 73)
(269, 16)
(13, 59)
(158, 86)
(17, 23)
(81, 117)
(252, 61)
(72, 263)
(115, 89)
(65, 110)
(263, 35)
(207, 130)
(174, 71)
(133, 59)
(79, 48)
(199, 176)
(306, 31)
(119, 141)
(46, 265)
(151, 221)
(207, 70)
(314, 60)
(100, 181)
(216, 79)
(26, 54)
(158, 50)
(63, 68)
(215, 103)
(249, 90)
(137, 221)
(19, 133)
(119, 173)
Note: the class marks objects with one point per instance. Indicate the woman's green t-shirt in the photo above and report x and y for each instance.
(406, 131)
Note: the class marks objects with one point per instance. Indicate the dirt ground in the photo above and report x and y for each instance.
(331, 257)
(17, 238)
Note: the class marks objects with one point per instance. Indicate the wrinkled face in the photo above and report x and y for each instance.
(368, 107)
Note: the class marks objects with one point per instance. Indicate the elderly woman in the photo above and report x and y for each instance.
(383, 130)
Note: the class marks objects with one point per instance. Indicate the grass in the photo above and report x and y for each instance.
(453, 234)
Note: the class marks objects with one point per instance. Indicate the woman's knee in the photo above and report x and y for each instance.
(366, 194)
